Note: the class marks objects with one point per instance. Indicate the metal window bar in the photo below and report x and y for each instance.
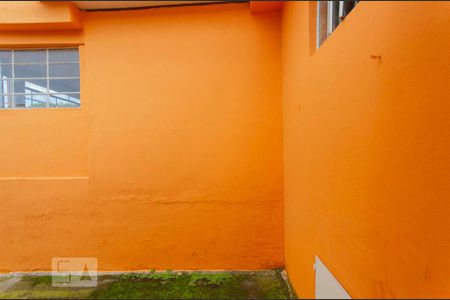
(341, 11)
(318, 41)
(322, 22)
(329, 17)
(318, 26)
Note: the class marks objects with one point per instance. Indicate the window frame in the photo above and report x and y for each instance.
(48, 93)
(334, 19)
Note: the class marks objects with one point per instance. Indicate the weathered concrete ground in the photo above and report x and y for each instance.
(156, 285)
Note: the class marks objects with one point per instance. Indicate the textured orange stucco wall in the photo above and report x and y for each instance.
(174, 160)
(366, 146)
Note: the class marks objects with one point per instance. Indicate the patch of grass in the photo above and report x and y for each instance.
(198, 285)
(39, 280)
(61, 293)
(162, 277)
(151, 288)
(161, 285)
(14, 294)
(198, 278)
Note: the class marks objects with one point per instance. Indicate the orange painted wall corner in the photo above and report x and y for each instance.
(265, 6)
(39, 15)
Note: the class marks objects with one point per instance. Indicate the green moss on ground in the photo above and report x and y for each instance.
(162, 285)
(198, 285)
(4, 278)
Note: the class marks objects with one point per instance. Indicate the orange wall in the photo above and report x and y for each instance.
(366, 146)
(39, 15)
(174, 160)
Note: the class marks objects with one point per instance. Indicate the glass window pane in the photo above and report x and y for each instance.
(30, 56)
(335, 16)
(38, 78)
(64, 70)
(38, 100)
(348, 6)
(63, 55)
(64, 100)
(5, 56)
(64, 85)
(5, 71)
(20, 101)
(30, 86)
(5, 101)
(30, 100)
(30, 71)
(5, 86)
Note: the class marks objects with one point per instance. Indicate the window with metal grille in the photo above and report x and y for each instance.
(329, 15)
(39, 78)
